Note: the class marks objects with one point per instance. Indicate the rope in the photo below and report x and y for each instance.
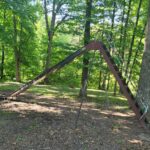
(82, 99)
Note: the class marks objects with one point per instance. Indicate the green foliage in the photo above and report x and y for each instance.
(32, 38)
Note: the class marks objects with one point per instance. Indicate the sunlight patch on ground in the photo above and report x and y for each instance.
(43, 90)
(46, 97)
(135, 141)
(4, 84)
(106, 96)
(10, 83)
(119, 107)
(25, 107)
(117, 114)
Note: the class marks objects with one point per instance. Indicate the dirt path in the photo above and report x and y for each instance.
(42, 123)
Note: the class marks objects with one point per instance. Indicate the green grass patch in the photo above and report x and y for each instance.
(96, 96)
(9, 86)
(7, 113)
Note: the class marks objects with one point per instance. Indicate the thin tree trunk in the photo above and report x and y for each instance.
(16, 53)
(115, 88)
(133, 38)
(111, 35)
(121, 52)
(3, 51)
(103, 87)
(2, 62)
(50, 33)
(125, 31)
(101, 60)
(112, 20)
(83, 90)
(143, 93)
(50, 36)
(108, 82)
(100, 80)
(136, 55)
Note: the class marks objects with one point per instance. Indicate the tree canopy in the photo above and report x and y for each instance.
(35, 34)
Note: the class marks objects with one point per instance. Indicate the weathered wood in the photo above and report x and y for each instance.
(43, 75)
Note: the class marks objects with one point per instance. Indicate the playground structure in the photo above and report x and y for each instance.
(94, 45)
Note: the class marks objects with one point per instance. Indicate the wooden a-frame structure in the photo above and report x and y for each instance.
(94, 45)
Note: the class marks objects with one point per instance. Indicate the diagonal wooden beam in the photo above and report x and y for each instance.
(94, 45)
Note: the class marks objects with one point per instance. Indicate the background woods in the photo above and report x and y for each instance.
(35, 34)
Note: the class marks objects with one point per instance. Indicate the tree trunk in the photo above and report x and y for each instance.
(112, 28)
(125, 33)
(122, 22)
(3, 50)
(103, 87)
(121, 50)
(108, 82)
(115, 88)
(136, 55)
(2, 62)
(133, 38)
(84, 80)
(143, 93)
(101, 59)
(100, 80)
(50, 33)
(16, 53)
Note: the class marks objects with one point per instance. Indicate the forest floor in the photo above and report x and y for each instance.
(44, 119)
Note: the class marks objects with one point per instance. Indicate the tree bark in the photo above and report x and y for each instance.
(84, 80)
(125, 31)
(121, 50)
(50, 32)
(16, 53)
(51, 28)
(2, 62)
(3, 51)
(143, 93)
(112, 28)
(136, 55)
(103, 87)
(101, 60)
(100, 80)
(115, 88)
(133, 37)
(108, 82)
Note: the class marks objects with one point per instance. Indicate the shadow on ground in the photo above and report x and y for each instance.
(36, 121)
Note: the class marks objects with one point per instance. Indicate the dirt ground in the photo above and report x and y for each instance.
(37, 122)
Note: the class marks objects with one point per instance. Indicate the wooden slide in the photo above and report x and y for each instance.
(94, 45)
